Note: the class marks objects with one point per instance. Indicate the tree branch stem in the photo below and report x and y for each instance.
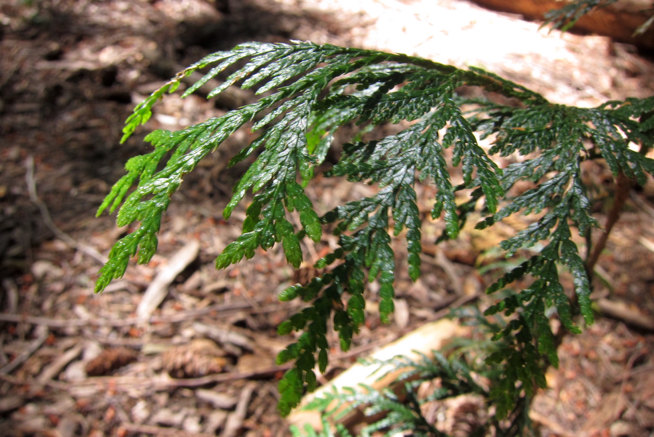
(622, 188)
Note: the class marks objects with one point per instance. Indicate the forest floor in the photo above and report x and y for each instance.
(75, 363)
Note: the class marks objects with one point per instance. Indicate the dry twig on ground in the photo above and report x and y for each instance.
(47, 219)
(42, 333)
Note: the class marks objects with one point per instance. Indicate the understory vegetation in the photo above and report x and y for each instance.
(307, 93)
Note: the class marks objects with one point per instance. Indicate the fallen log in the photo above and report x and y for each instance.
(427, 338)
(618, 21)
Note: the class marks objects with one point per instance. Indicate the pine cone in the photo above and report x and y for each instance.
(109, 360)
(465, 414)
(199, 358)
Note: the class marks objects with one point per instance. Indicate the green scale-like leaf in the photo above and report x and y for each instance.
(306, 93)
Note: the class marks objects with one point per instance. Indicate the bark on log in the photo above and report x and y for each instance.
(618, 21)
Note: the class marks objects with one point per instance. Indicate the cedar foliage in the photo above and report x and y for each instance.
(308, 92)
(566, 17)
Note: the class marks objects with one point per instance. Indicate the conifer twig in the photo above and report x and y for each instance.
(622, 188)
(54, 368)
(133, 428)
(42, 335)
(308, 93)
(621, 311)
(47, 219)
(158, 288)
(173, 318)
(235, 419)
